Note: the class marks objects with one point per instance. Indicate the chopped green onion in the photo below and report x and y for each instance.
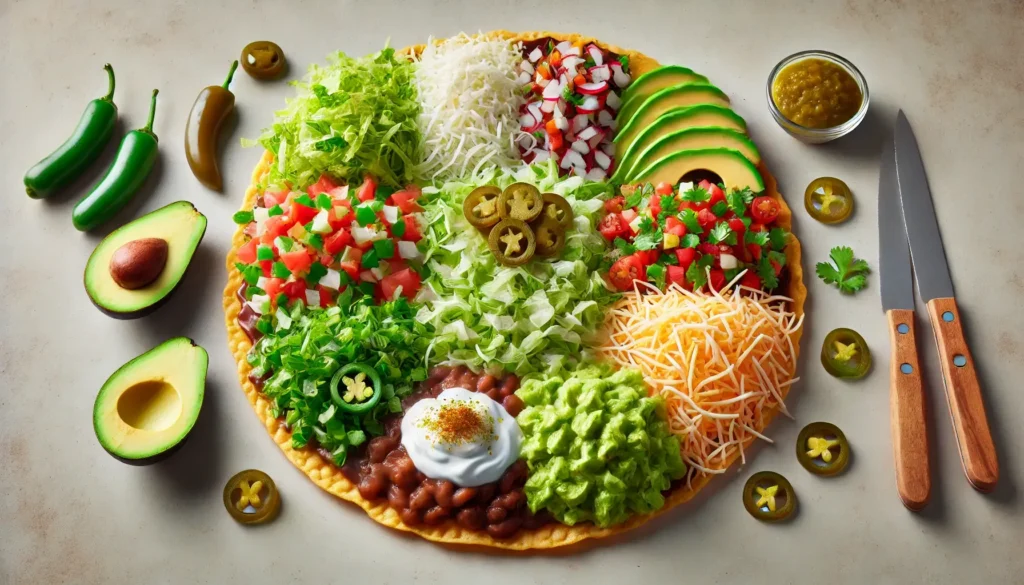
(304, 200)
(242, 217)
(398, 228)
(264, 252)
(384, 248)
(275, 210)
(279, 270)
(365, 216)
(323, 201)
(371, 259)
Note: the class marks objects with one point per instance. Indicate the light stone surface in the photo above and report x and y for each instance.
(69, 513)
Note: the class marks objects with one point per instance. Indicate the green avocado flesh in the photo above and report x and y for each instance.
(180, 225)
(696, 139)
(734, 168)
(148, 406)
(653, 81)
(688, 94)
(672, 121)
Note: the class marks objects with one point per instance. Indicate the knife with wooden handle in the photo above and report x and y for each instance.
(907, 405)
(963, 392)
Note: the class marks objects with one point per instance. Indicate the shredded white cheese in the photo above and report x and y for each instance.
(470, 98)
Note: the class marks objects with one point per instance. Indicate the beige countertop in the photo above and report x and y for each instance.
(69, 513)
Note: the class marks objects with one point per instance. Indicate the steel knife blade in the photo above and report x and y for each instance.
(895, 271)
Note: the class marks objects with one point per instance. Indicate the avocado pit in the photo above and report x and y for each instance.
(138, 262)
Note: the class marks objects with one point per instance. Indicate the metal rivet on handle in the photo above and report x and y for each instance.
(903, 328)
(907, 368)
(947, 316)
(959, 361)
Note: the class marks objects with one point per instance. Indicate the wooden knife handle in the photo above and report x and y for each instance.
(907, 413)
(966, 407)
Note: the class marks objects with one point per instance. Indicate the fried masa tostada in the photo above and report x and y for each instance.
(552, 534)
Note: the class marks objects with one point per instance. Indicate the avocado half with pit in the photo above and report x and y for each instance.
(673, 121)
(145, 410)
(131, 273)
(653, 81)
(687, 94)
(734, 170)
(695, 139)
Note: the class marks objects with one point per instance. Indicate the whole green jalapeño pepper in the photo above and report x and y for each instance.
(134, 161)
(213, 105)
(63, 165)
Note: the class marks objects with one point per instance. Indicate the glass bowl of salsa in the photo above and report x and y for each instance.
(817, 96)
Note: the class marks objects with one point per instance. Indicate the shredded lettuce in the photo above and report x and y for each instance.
(532, 318)
(309, 345)
(350, 117)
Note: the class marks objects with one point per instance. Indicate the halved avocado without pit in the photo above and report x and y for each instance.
(674, 120)
(687, 94)
(145, 410)
(179, 225)
(654, 80)
(730, 165)
(696, 139)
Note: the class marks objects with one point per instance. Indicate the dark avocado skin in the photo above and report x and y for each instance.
(126, 315)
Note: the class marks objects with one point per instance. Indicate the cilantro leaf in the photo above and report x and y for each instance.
(759, 238)
(767, 273)
(736, 203)
(623, 246)
(696, 195)
(689, 241)
(633, 199)
(722, 234)
(689, 219)
(669, 207)
(656, 272)
(720, 208)
(777, 236)
(648, 240)
(697, 273)
(847, 273)
(745, 194)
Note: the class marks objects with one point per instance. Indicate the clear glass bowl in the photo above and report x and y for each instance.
(818, 135)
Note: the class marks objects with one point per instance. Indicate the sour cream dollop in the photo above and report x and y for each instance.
(462, 436)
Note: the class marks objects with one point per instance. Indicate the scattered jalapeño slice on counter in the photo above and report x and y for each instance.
(769, 497)
(828, 200)
(845, 354)
(822, 449)
(356, 388)
(481, 207)
(251, 497)
(263, 60)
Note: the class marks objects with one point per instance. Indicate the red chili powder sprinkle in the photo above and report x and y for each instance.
(458, 422)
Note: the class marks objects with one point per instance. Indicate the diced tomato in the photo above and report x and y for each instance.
(655, 205)
(675, 227)
(755, 251)
(629, 215)
(408, 279)
(324, 185)
(709, 248)
(325, 259)
(341, 215)
(352, 265)
(301, 214)
(717, 279)
(298, 262)
(412, 229)
(394, 265)
(250, 229)
(664, 188)
(272, 198)
(556, 141)
(247, 253)
(266, 266)
(776, 267)
(751, 280)
(707, 219)
(765, 209)
(614, 205)
(613, 226)
(676, 274)
(368, 190)
(405, 200)
(326, 296)
(295, 289)
(686, 256)
(273, 287)
(648, 257)
(717, 195)
(337, 241)
(625, 271)
(737, 226)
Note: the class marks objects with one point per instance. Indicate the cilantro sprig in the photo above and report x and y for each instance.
(847, 273)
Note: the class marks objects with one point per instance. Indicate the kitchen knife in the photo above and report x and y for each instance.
(963, 392)
(906, 391)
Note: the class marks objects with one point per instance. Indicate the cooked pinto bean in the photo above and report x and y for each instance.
(421, 498)
(473, 518)
(462, 496)
(496, 514)
(398, 498)
(485, 493)
(443, 492)
(371, 487)
(379, 447)
(510, 385)
(513, 404)
(485, 383)
(511, 500)
(410, 517)
(436, 515)
(506, 528)
(494, 394)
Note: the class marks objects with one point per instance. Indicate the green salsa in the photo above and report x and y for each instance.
(816, 93)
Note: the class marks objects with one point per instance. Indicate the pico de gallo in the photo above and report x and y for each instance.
(308, 247)
(572, 94)
(694, 236)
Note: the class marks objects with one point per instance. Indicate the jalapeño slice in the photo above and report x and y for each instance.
(355, 388)
(769, 497)
(550, 237)
(845, 354)
(263, 60)
(520, 201)
(251, 497)
(481, 207)
(556, 210)
(822, 449)
(513, 242)
(828, 200)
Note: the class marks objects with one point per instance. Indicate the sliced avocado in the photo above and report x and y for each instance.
(703, 115)
(180, 225)
(654, 80)
(688, 94)
(733, 168)
(696, 139)
(146, 409)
